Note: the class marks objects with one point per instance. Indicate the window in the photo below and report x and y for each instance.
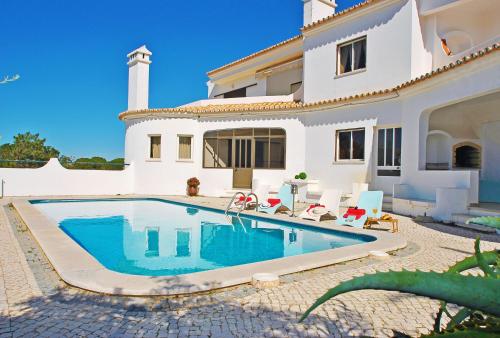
(266, 147)
(217, 152)
(261, 152)
(351, 56)
(351, 145)
(185, 147)
(154, 146)
(276, 153)
(389, 152)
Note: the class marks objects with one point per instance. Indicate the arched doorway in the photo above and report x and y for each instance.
(467, 155)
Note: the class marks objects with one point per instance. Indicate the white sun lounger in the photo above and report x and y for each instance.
(262, 192)
(330, 199)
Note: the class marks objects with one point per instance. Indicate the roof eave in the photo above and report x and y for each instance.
(241, 61)
(294, 108)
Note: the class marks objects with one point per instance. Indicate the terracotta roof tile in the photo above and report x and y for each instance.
(298, 107)
(337, 15)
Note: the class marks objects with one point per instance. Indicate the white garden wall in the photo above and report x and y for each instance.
(53, 179)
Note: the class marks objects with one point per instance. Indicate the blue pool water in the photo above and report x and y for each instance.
(159, 238)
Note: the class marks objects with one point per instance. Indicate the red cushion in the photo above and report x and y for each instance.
(357, 213)
(312, 206)
(273, 201)
(242, 198)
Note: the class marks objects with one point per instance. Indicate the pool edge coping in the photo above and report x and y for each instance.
(79, 268)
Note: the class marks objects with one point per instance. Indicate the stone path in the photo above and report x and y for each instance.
(35, 303)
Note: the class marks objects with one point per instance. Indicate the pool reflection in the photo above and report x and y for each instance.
(156, 238)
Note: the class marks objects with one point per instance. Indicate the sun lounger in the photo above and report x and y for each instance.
(328, 205)
(284, 198)
(249, 201)
(262, 193)
(369, 207)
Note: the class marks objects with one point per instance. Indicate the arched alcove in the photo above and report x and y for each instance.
(438, 150)
(467, 155)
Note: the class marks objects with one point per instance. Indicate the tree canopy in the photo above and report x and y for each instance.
(27, 147)
(30, 151)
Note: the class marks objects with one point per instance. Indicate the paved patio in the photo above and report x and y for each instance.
(34, 302)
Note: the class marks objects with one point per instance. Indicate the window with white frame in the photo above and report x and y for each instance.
(351, 56)
(154, 146)
(350, 145)
(389, 152)
(185, 147)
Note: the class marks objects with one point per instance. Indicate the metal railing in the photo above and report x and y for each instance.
(230, 205)
(19, 163)
(256, 200)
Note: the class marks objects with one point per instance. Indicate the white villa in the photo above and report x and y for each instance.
(401, 94)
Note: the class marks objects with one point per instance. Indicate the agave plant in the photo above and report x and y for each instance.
(477, 295)
(489, 221)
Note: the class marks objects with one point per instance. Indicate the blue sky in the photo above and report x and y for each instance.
(71, 58)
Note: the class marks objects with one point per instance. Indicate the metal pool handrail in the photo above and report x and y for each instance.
(256, 201)
(232, 200)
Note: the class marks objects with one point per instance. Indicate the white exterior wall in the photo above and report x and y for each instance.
(169, 176)
(279, 83)
(321, 128)
(466, 25)
(53, 179)
(388, 57)
(462, 84)
(421, 54)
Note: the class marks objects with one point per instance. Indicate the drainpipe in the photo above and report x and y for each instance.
(2, 182)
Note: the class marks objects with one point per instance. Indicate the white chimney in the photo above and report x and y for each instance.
(315, 10)
(138, 78)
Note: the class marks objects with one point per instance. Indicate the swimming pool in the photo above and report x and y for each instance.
(153, 237)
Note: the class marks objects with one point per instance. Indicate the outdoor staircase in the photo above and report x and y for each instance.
(476, 211)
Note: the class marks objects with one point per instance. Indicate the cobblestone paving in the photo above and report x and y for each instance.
(35, 303)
